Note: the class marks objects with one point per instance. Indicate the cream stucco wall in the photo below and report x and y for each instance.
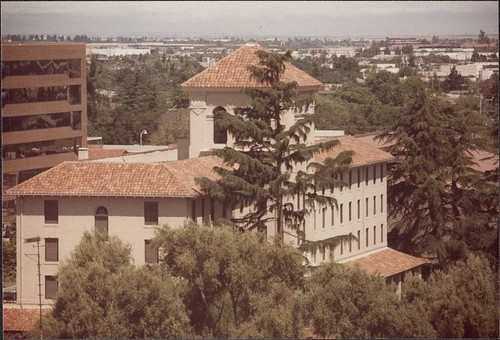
(316, 230)
(76, 215)
(202, 105)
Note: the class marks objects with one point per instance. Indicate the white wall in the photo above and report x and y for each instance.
(76, 215)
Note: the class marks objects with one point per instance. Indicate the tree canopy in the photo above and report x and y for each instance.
(266, 151)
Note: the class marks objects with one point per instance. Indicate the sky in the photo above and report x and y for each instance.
(250, 18)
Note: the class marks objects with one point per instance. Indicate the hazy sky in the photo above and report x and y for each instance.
(232, 18)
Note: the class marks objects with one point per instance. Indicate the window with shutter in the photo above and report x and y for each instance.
(50, 287)
(51, 249)
(51, 211)
(151, 212)
(150, 252)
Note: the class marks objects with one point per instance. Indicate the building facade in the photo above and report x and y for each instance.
(129, 199)
(44, 117)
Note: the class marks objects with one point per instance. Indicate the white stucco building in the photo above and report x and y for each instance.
(129, 199)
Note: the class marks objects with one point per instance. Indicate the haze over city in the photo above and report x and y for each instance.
(273, 18)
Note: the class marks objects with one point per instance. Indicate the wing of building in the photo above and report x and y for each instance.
(130, 199)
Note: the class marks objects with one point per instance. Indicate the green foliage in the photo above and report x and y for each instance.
(330, 114)
(347, 302)
(101, 294)
(343, 69)
(173, 125)
(9, 253)
(461, 302)
(265, 152)
(434, 194)
(453, 81)
(384, 85)
(234, 280)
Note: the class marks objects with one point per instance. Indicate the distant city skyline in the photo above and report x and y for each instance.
(245, 19)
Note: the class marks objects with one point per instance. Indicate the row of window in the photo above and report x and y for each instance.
(70, 67)
(71, 94)
(348, 245)
(44, 148)
(43, 121)
(350, 211)
(51, 214)
(359, 176)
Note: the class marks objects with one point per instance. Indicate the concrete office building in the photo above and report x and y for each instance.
(44, 111)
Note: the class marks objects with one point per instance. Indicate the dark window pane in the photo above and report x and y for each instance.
(51, 211)
(35, 149)
(151, 253)
(220, 134)
(70, 67)
(52, 249)
(50, 287)
(151, 212)
(101, 221)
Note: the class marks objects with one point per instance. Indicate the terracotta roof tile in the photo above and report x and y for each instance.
(105, 153)
(20, 319)
(387, 262)
(232, 72)
(167, 179)
(364, 153)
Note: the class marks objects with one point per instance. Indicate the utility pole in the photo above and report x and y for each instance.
(37, 240)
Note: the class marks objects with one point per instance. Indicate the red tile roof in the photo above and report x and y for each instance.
(387, 262)
(364, 153)
(105, 153)
(167, 179)
(232, 72)
(20, 319)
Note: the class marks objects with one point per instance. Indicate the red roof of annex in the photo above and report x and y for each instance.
(163, 179)
(232, 72)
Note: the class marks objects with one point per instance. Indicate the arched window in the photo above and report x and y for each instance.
(220, 134)
(101, 221)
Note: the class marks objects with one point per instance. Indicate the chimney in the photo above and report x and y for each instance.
(83, 154)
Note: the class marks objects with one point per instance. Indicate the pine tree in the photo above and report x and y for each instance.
(266, 152)
(441, 207)
(417, 178)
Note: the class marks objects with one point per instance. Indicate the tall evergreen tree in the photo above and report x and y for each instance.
(266, 152)
(441, 207)
(417, 179)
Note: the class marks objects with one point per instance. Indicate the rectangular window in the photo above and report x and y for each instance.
(341, 213)
(359, 177)
(382, 203)
(350, 179)
(151, 212)
(193, 210)
(374, 174)
(382, 233)
(359, 209)
(359, 239)
(224, 209)
(341, 247)
(314, 213)
(50, 287)
(374, 234)
(350, 242)
(323, 217)
(51, 211)
(366, 204)
(333, 215)
(323, 252)
(150, 252)
(342, 180)
(51, 250)
(374, 205)
(212, 210)
(350, 213)
(367, 232)
(241, 207)
(366, 175)
(381, 173)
